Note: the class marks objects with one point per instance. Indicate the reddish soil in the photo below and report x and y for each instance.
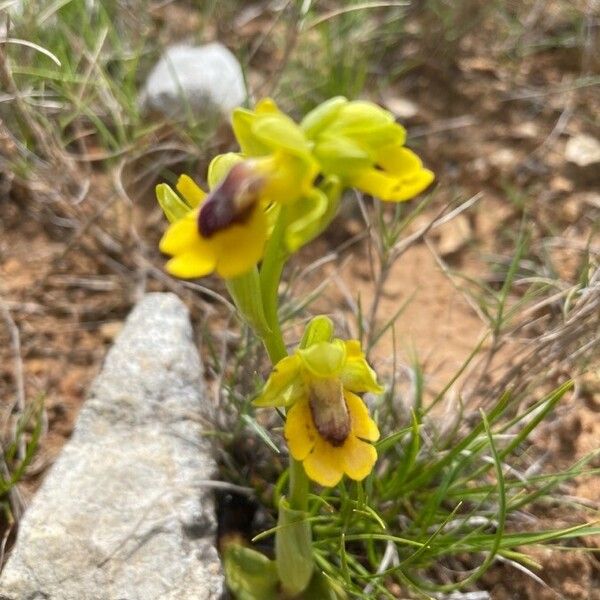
(507, 143)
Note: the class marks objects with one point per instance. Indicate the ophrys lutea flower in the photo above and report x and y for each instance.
(328, 426)
(224, 231)
(362, 144)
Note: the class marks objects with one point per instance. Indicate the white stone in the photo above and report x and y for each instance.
(195, 78)
(583, 150)
(122, 515)
(402, 108)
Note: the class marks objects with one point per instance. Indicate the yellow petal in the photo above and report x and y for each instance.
(324, 464)
(241, 246)
(398, 160)
(181, 235)
(284, 386)
(191, 264)
(357, 375)
(299, 430)
(361, 423)
(413, 186)
(375, 182)
(190, 190)
(392, 188)
(359, 458)
(353, 349)
(193, 256)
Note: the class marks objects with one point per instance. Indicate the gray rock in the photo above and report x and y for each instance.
(123, 514)
(196, 78)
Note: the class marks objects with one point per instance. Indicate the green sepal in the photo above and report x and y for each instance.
(310, 215)
(341, 155)
(242, 122)
(246, 294)
(361, 117)
(174, 207)
(305, 217)
(285, 385)
(324, 359)
(320, 329)
(293, 550)
(321, 116)
(221, 165)
(250, 575)
(278, 131)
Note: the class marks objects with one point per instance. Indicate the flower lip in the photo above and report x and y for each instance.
(232, 201)
(329, 409)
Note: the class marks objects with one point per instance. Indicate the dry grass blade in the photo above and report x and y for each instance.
(558, 350)
(19, 403)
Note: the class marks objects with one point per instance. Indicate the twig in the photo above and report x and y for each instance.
(438, 221)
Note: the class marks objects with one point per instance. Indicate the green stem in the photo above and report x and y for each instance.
(270, 277)
(247, 296)
(298, 486)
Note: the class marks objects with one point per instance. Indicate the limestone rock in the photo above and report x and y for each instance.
(197, 78)
(123, 513)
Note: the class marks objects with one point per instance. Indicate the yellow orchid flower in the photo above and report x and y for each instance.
(363, 145)
(328, 426)
(224, 231)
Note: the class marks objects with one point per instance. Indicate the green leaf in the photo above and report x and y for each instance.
(250, 575)
(261, 432)
(323, 588)
(293, 549)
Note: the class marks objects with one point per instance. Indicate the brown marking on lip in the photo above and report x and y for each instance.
(329, 410)
(232, 201)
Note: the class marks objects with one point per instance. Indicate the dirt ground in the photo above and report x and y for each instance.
(487, 122)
